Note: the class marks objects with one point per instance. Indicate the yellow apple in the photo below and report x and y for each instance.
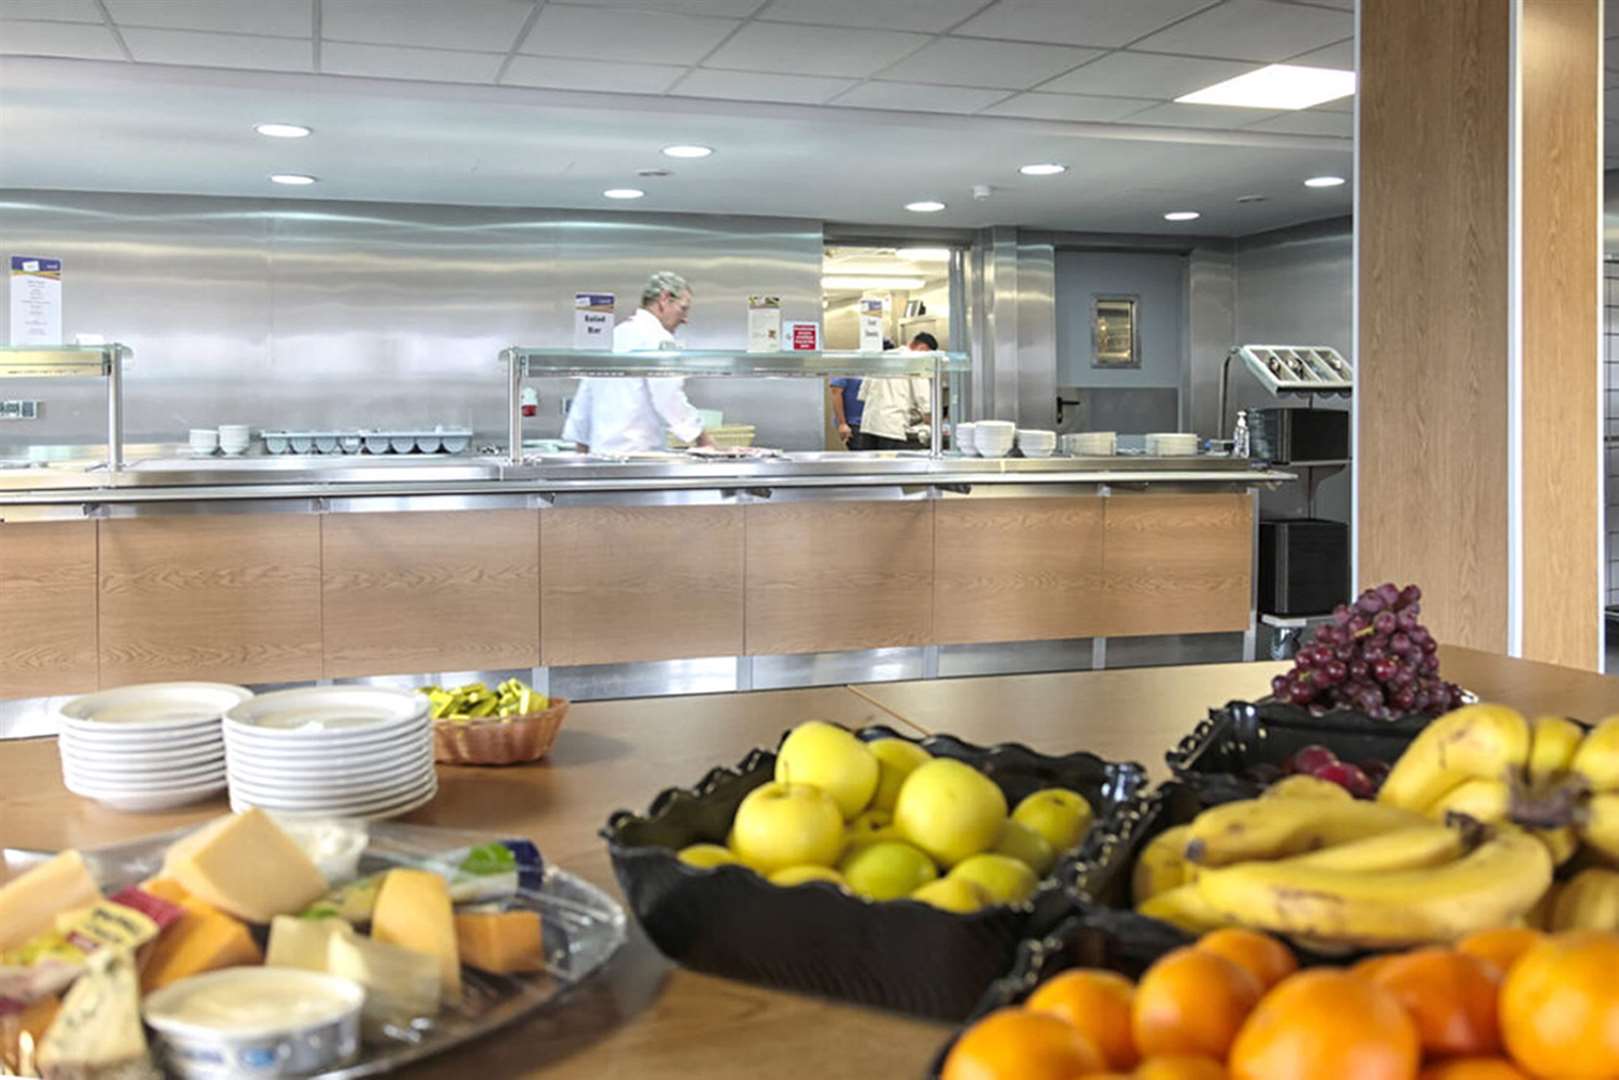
(887, 870)
(782, 825)
(868, 828)
(1026, 846)
(706, 856)
(953, 894)
(1059, 815)
(797, 875)
(896, 758)
(825, 756)
(1006, 880)
(950, 810)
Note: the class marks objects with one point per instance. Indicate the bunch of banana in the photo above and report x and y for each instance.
(475, 701)
(1596, 764)
(1587, 901)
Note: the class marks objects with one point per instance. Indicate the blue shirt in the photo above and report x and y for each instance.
(853, 407)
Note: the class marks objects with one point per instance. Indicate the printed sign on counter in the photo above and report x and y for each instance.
(871, 324)
(36, 300)
(803, 336)
(764, 324)
(593, 320)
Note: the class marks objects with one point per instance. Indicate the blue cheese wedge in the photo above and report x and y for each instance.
(97, 1035)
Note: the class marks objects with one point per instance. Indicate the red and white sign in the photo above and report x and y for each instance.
(803, 336)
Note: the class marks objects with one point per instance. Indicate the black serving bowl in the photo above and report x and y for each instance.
(815, 938)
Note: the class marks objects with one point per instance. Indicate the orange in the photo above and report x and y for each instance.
(1362, 969)
(1268, 959)
(1501, 946)
(1451, 996)
(1560, 1006)
(1493, 1068)
(1326, 1025)
(1016, 1044)
(1192, 1002)
(1180, 1067)
(1098, 1004)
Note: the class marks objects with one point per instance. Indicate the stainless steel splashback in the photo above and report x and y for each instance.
(307, 314)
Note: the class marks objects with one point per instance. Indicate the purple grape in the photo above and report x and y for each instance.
(1279, 685)
(1384, 623)
(1358, 624)
(1401, 644)
(1341, 615)
(1372, 653)
(1335, 671)
(1407, 620)
(1405, 700)
(1369, 604)
(1369, 701)
(1410, 595)
(1358, 669)
(1429, 646)
(1389, 593)
(1430, 664)
(1383, 670)
(1301, 694)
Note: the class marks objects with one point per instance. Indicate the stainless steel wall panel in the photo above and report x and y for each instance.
(1211, 329)
(1036, 336)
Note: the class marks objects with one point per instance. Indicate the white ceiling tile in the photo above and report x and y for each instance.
(20, 37)
(401, 62)
(1132, 74)
(1309, 122)
(752, 86)
(1200, 116)
(1107, 23)
(1070, 107)
(608, 34)
(932, 16)
(479, 25)
(557, 73)
(283, 18)
(813, 50)
(1340, 55)
(740, 9)
(919, 97)
(980, 62)
(58, 10)
(1253, 30)
(220, 50)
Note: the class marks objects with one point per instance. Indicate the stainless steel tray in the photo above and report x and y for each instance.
(583, 928)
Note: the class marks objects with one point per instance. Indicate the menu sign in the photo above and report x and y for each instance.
(764, 323)
(593, 320)
(871, 324)
(36, 300)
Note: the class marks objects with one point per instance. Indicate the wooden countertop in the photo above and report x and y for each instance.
(649, 1019)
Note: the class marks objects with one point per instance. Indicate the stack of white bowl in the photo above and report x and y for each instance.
(234, 438)
(1090, 444)
(333, 751)
(1172, 444)
(203, 441)
(1035, 444)
(964, 441)
(994, 438)
(147, 747)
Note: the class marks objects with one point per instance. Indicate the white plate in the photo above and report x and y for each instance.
(326, 710)
(387, 806)
(270, 773)
(354, 794)
(152, 707)
(382, 814)
(159, 754)
(147, 778)
(328, 748)
(98, 786)
(143, 802)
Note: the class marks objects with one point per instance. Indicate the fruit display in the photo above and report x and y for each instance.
(475, 701)
(1374, 657)
(509, 725)
(1503, 1004)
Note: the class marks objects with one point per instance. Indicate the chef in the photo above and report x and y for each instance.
(624, 415)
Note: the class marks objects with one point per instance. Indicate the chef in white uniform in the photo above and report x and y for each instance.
(630, 415)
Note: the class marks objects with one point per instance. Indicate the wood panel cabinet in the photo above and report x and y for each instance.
(227, 597)
(1018, 569)
(1178, 564)
(632, 583)
(430, 591)
(825, 576)
(47, 608)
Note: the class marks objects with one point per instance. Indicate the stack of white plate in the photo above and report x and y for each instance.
(332, 751)
(964, 438)
(994, 438)
(1090, 444)
(147, 747)
(1035, 444)
(1172, 444)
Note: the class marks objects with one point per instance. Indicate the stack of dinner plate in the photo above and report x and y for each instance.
(1090, 444)
(1172, 444)
(331, 751)
(994, 438)
(148, 747)
(1036, 444)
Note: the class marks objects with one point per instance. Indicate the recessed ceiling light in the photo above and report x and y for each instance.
(1324, 181)
(925, 206)
(844, 282)
(687, 151)
(1043, 168)
(623, 193)
(1182, 215)
(1279, 86)
(924, 254)
(294, 179)
(282, 131)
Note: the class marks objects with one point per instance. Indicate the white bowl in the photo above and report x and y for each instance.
(275, 442)
(376, 444)
(326, 442)
(1005, 426)
(350, 444)
(402, 444)
(1036, 452)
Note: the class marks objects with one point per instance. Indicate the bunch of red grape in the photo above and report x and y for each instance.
(1374, 657)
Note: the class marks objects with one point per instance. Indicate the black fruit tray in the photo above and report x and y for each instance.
(901, 955)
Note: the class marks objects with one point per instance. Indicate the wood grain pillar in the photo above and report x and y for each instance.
(1477, 449)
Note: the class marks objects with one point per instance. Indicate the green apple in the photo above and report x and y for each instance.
(953, 894)
(950, 810)
(887, 870)
(868, 828)
(1006, 880)
(825, 756)
(1026, 846)
(797, 875)
(1059, 815)
(706, 856)
(896, 759)
(782, 825)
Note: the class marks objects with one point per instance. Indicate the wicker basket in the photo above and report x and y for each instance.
(510, 741)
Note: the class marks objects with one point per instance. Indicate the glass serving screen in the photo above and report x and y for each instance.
(734, 362)
(77, 361)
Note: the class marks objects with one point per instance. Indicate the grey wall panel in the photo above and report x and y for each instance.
(1211, 331)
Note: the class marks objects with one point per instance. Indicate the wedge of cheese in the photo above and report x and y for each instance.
(502, 942)
(30, 904)
(244, 865)
(303, 943)
(203, 939)
(97, 1033)
(414, 911)
(399, 983)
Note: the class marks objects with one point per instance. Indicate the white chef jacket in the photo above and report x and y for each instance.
(894, 403)
(629, 415)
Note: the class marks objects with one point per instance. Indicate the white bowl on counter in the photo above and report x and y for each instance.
(325, 442)
(402, 443)
(301, 442)
(1171, 444)
(375, 443)
(964, 439)
(350, 444)
(1035, 443)
(276, 442)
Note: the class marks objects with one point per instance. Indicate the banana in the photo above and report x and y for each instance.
(1539, 917)
(1162, 864)
(1399, 849)
(1599, 825)
(1300, 786)
(1184, 907)
(1554, 742)
(1561, 843)
(1497, 882)
(1589, 901)
(1276, 828)
(1597, 759)
(1485, 801)
(1487, 742)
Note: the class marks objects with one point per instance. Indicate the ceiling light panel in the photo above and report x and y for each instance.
(292, 179)
(1279, 86)
(623, 193)
(281, 131)
(687, 150)
(925, 206)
